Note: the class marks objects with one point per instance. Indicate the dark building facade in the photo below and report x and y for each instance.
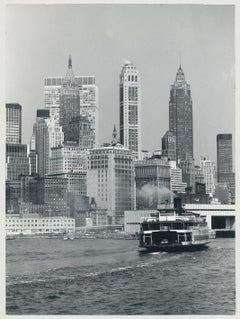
(224, 157)
(13, 123)
(180, 116)
(169, 146)
(29, 189)
(33, 162)
(189, 198)
(69, 100)
(17, 161)
(79, 130)
(46, 196)
(13, 194)
(225, 172)
(52, 192)
(189, 173)
(42, 113)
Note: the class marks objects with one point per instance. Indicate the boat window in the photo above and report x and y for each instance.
(153, 226)
(181, 238)
(177, 226)
(144, 226)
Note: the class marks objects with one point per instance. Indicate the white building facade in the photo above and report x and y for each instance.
(208, 169)
(70, 161)
(110, 180)
(130, 108)
(16, 225)
(176, 183)
(68, 158)
(88, 92)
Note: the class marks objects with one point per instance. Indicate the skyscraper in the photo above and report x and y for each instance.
(224, 156)
(17, 161)
(70, 161)
(225, 172)
(110, 180)
(88, 94)
(13, 123)
(180, 116)
(69, 100)
(130, 108)
(47, 134)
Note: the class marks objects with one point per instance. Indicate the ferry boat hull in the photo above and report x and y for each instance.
(174, 248)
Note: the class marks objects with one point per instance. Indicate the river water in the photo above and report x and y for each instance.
(111, 277)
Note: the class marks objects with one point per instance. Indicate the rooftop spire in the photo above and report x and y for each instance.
(180, 74)
(69, 79)
(69, 62)
(114, 135)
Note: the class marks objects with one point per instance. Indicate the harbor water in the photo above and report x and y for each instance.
(111, 277)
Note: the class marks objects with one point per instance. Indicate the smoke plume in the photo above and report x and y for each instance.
(150, 196)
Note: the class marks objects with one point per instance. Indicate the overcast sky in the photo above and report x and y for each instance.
(39, 39)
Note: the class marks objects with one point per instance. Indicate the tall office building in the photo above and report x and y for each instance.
(110, 180)
(169, 146)
(209, 170)
(69, 100)
(17, 161)
(180, 116)
(13, 123)
(70, 161)
(224, 157)
(225, 172)
(130, 108)
(188, 173)
(88, 94)
(48, 134)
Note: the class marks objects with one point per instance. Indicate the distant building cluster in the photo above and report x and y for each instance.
(64, 173)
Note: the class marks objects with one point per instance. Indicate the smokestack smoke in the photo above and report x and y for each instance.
(151, 195)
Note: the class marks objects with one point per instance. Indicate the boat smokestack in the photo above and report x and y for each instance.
(178, 205)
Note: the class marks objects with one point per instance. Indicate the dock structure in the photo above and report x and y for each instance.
(218, 217)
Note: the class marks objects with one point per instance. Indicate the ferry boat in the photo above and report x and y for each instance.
(172, 230)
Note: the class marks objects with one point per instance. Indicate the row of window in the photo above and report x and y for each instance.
(38, 220)
(132, 78)
(43, 225)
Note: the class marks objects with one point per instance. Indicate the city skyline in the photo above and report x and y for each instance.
(207, 58)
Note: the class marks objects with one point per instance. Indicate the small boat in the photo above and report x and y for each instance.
(173, 230)
(68, 236)
(10, 237)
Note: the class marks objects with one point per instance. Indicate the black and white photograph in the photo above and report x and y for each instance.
(119, 151)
